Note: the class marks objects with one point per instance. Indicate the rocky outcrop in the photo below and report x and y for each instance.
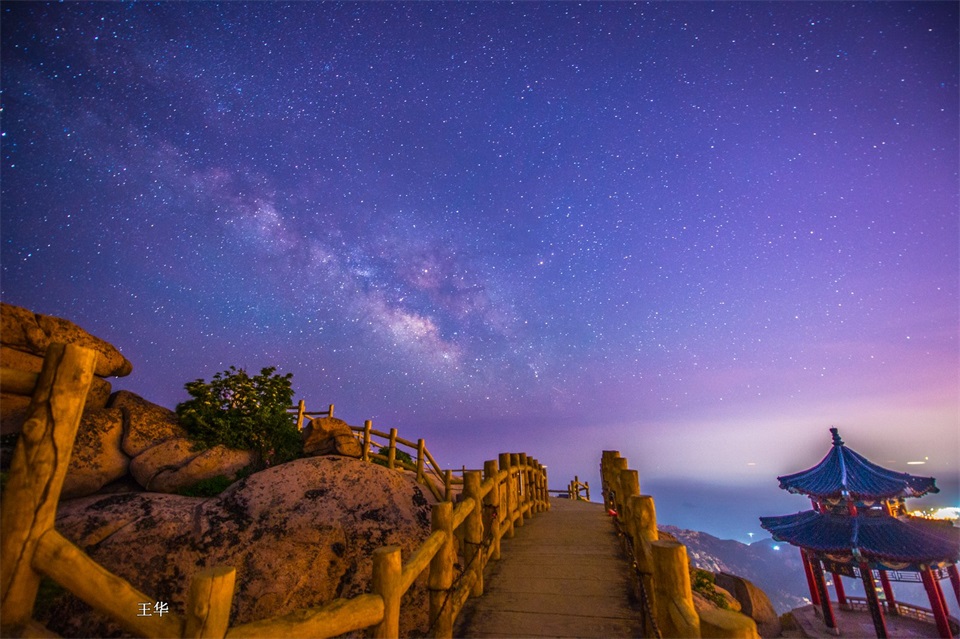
(753, 602)
(330, 436)
(299, 534)
(175, 464)
(96, 459)
(24, 338)
(32, 333)
(147, 424)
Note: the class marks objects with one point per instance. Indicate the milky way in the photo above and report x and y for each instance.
(697, 233)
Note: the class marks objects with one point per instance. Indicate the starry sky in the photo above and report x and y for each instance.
(697, 233)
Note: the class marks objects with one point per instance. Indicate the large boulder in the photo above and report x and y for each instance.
(330, 436)
(32, 333)
(176, 464)
(96, 459)
(299, 534)
(146, 423)
(753, 602)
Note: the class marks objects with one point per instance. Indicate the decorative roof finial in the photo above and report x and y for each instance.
(836, 437)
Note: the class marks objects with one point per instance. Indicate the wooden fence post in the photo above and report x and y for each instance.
(421, 458)
(516, 461)
(208, 603)
(301, 409)
(676, 615)
(491, 503)
(37, 471)
(541, 488)
(441, 573)
(386, 583)
(473, 532)
(330, 411)
(529, 494)
(448, 485)
(605, 459)
(617, 465)
(367, 427)
(510, 497)
(392, 452)
(629, 487)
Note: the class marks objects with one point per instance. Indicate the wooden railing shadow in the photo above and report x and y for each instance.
(491, 505)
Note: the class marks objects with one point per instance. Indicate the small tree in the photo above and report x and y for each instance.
(243, 412)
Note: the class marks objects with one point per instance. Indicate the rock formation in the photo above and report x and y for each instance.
(299, 534)
(24, 338)
(330, 436)
(753, 602)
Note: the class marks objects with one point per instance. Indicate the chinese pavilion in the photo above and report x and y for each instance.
(859, 527)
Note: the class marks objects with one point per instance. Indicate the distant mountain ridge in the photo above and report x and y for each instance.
(778, 572)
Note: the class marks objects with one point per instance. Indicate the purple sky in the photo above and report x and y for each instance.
(698, 233)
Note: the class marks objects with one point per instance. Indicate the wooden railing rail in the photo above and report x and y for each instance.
(662, 566)
(489, 508)
(575, 488)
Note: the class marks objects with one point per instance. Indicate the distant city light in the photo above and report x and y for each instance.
(949, 513)
(776, 547)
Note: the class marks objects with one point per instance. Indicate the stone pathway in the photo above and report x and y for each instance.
(562, 575)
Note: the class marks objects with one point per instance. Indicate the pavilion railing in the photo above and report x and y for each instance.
(860, 604)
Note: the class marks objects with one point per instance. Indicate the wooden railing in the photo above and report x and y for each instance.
(439, 482)
(662, 566)
(489, 509)
(576, 489)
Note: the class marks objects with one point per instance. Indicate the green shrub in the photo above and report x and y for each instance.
(400, 457)
(703, 582)
(243, 412)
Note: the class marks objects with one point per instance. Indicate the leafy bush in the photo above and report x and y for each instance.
(400, 457)
(243, 412)
(703, 582)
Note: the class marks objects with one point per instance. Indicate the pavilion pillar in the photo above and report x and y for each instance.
(955, 581)
(808, 571)
(828, 617)
(936, 603)
(838, 586)
(888, 593)
(873, 602)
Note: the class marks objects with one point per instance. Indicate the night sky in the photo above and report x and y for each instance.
(697, 233)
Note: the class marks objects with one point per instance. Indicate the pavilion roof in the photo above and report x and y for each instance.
(876, 536)
(844, 470)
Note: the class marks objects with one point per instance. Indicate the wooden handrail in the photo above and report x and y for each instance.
(662, 567)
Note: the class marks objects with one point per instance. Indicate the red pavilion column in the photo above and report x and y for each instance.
(838, 586)
(888, 593)
(828, 617)
(811, 584)
(955, 581)
(936, 603)
(876, 612)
